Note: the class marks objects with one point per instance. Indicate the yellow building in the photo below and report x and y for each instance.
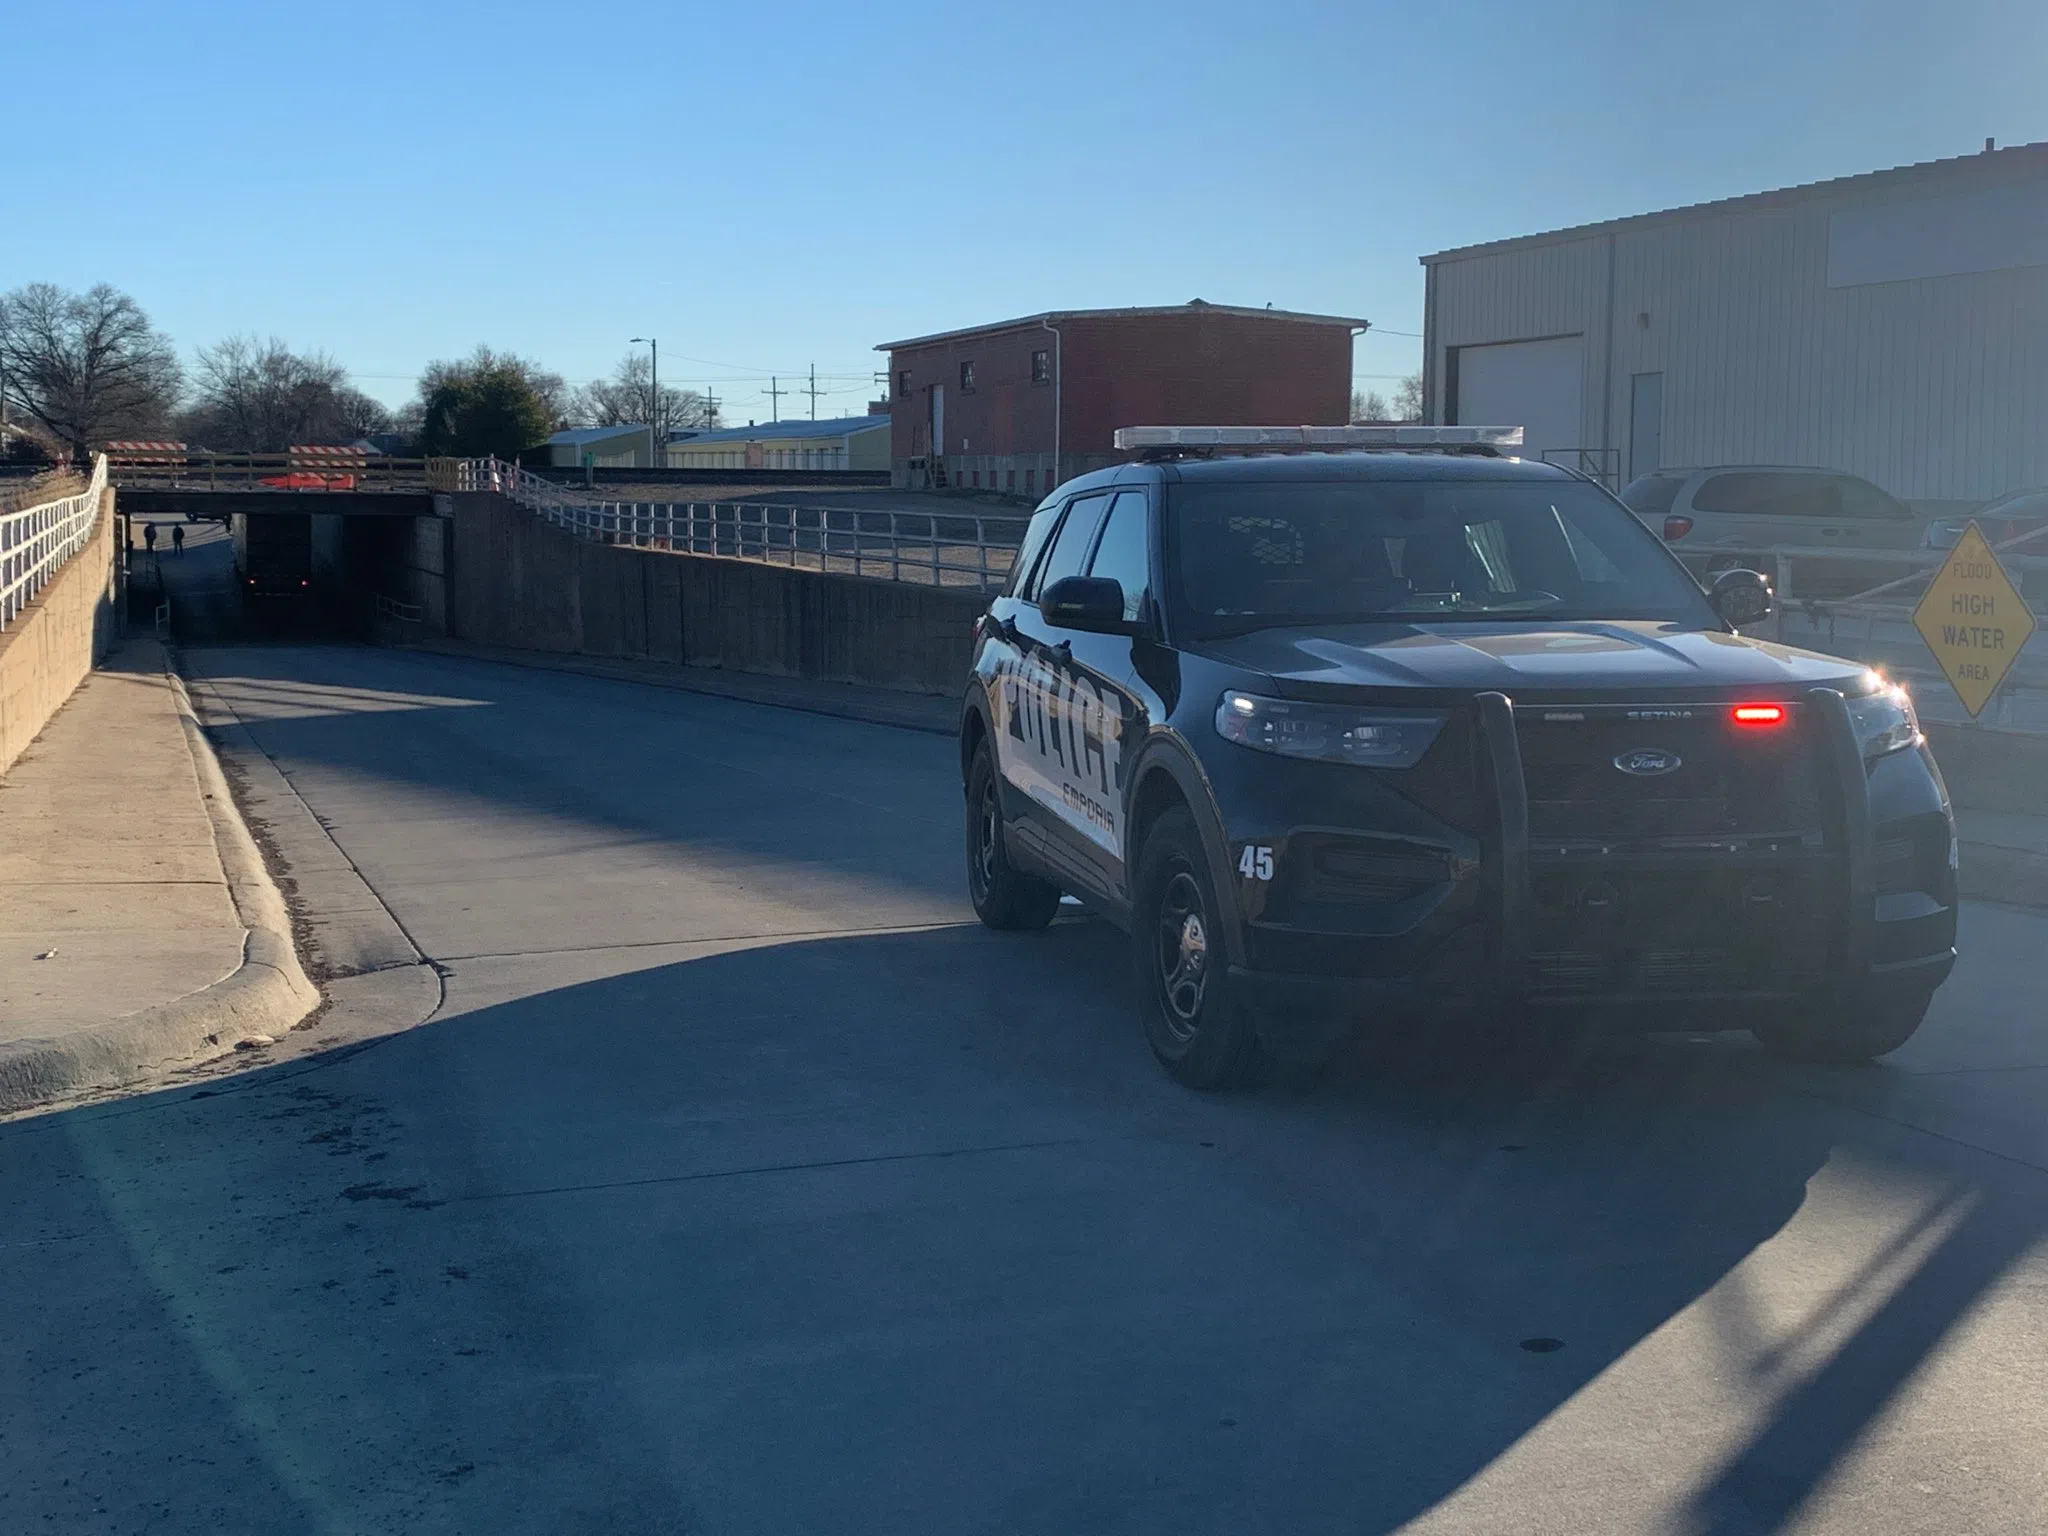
(846, 442)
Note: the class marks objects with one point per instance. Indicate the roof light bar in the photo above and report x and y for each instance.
(1318, 437)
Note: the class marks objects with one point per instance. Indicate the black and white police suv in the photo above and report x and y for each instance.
(1346, 736)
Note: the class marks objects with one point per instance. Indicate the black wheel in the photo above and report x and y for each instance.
(1845, 1032)
(1195, 1027)
(1004, 896)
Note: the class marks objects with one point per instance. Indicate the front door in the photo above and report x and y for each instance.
(1087, 712)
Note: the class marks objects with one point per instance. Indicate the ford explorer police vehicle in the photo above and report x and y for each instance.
(1339, 736)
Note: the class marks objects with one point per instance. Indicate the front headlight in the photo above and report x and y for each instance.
(1884, 721)
(1331, 733)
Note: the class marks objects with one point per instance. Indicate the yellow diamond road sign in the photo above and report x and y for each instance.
(1974, 620)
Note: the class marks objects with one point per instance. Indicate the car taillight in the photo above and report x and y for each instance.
(1755, 715)
(1676, 527)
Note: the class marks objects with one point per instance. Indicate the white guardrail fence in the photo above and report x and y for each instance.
(950, 549)
(36, 541)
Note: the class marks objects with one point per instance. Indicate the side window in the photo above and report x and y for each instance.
(1036, 532)
(1763, 494)
(1861, 499)
(1070, 544)
(1652, 495)
(1735, 493)
(1122, 553)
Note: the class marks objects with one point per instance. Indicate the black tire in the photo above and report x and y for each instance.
(1845, 1032)
(1004, 897)
(1201, 1034)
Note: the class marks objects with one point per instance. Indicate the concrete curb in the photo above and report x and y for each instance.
(265, 995)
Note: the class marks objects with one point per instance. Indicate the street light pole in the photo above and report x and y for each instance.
(656, 459)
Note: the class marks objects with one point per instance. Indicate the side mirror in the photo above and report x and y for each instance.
(1741, 598)
(1092, 603)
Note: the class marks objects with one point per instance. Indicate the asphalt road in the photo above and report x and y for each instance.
(741, 1184)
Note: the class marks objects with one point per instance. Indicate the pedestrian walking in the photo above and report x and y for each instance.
(177, 538)
(149, 537)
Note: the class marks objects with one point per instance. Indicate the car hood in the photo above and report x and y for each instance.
(1534, 658)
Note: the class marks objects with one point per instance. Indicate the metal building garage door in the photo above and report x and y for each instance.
(1535, 385)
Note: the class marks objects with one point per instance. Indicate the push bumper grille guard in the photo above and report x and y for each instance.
(1849, 788)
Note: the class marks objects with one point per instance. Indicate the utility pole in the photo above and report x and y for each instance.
(775, 393)
(813, 391)
(710, 410)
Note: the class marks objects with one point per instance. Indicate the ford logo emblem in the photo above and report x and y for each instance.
(1648, 762)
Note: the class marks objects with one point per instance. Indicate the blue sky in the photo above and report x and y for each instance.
(764, 188)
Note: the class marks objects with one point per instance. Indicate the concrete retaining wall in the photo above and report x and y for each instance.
(55, 641)
(519, 582)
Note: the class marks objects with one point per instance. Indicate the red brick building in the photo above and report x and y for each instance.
(1024, 404)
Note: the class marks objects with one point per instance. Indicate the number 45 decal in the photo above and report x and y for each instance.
(1256, 863)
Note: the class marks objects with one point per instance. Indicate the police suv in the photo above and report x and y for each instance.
(1343, 736)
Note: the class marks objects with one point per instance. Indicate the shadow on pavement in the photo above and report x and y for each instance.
(907, 1233)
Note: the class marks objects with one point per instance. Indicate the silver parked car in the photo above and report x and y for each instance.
(1735, 514)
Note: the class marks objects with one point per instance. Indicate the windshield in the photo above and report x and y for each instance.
(1255, 556)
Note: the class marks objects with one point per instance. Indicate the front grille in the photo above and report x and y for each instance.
(1600, 930)
(1727, 780)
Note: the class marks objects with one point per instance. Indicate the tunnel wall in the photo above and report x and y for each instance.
(55, 641)
(520, 582)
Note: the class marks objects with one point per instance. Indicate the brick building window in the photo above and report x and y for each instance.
(903, 385)
(1041, 367)
(967, 377)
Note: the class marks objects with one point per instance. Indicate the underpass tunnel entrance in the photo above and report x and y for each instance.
(288, 574)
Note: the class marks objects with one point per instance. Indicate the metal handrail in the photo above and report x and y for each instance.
(36, 541)
(959, 549)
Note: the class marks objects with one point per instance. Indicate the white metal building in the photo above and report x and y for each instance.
(1894, 325)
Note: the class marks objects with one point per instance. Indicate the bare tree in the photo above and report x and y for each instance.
(627, 399)
(1369, 405)
(262, 397)
(1408, 398)
(359, 415)
(86, 366)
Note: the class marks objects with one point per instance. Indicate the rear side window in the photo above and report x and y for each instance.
(1070, 545)
(1759, 493)
(1652, 495)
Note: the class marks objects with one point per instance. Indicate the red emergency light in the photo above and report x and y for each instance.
(1758, 715)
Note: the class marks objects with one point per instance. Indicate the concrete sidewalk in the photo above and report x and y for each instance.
(137, 925)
